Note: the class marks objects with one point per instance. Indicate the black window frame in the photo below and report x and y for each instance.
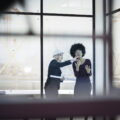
(109, 36)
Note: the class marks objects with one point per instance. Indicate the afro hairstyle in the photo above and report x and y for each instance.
(76, 47)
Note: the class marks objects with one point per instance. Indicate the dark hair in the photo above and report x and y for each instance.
(75, 47)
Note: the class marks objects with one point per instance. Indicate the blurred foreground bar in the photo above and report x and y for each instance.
(17, 107)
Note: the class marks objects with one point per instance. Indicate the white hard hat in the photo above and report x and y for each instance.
(57, 52)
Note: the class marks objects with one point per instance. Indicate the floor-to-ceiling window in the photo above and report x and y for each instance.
(31, 32)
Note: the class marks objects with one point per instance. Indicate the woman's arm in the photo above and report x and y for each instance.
(61, 64)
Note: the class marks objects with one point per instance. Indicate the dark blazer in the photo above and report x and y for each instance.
(54, 69)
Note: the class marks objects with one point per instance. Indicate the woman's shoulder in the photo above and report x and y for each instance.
(53, 61)
(87, 60)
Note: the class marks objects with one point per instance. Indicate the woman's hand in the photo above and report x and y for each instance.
(88, 69)
(75, 59)
(78, 65)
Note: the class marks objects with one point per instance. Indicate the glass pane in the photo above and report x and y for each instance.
(20, 65)
(68, 6)
(64, 44)
(30, 6)
(19, 24)
(67, 26)
(116, 50)
(116, 4)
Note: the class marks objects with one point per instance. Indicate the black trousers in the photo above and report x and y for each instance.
(51, 88)
(51, 92)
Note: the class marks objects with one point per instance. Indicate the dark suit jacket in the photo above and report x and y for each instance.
(54, 69)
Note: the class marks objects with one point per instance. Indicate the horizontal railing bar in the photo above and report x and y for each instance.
(36, 108)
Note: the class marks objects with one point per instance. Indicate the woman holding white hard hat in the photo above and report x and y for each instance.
(52, 84)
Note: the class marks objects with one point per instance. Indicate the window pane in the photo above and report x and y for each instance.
(116, 50)
(19, 24)
(116, 4)
(68, 6)
(20, 64)
(64, 44)
(32, 5)
(67, 26)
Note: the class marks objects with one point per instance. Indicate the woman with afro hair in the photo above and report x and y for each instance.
(82, 71)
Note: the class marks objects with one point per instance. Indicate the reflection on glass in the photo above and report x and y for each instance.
(19, 24)
(20, 64)
(68, 6)
(17, 7)
(13, 24)
(64, 44)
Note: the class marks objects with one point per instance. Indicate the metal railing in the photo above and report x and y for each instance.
(17, 107)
